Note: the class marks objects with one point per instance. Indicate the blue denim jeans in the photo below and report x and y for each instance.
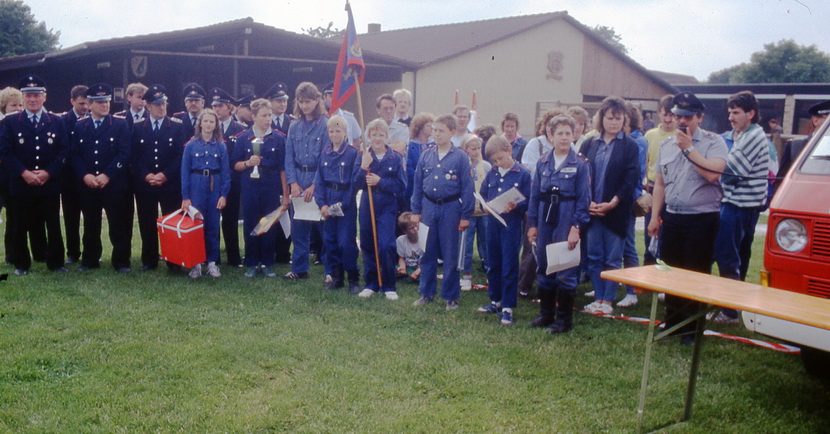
(477, 229)
(630, 257)
(737, 228)
(605, 252)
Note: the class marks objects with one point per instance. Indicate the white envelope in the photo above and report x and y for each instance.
(560, 258)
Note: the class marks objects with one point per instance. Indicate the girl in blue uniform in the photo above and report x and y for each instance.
(262, 181)
(206, 181)
(334, 186)
(381, 169)
(558, 207)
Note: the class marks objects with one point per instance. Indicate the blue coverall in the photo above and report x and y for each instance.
(206, 176)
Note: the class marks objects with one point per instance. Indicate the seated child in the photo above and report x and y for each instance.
(409, 251)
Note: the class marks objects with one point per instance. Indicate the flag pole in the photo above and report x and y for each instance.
(368, 187)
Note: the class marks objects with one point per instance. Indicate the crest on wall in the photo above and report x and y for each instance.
(555, 59)
(138, 64)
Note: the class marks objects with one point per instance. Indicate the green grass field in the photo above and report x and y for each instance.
(102, 352)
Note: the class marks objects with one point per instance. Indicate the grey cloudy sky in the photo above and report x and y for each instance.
(687, 37)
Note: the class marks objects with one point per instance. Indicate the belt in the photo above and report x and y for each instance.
(443, 200)
(546, 198)
(205, 172)
(306, 169)
(337, 187)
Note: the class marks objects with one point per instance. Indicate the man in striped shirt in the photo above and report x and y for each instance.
(744, 191)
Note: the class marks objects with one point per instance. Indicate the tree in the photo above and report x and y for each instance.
(325, 32)
(610, 35)
(20, 33)
(781, 62)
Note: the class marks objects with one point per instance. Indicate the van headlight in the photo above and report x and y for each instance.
(791, 235)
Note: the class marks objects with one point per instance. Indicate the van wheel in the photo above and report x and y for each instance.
(816, 362)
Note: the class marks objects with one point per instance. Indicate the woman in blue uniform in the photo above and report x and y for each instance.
(558, 207)
(262, 181)
(206, 181)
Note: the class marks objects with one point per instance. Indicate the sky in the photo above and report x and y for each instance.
(684, 37)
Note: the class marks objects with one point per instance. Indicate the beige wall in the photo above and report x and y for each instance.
(605, 74)
(509, 75)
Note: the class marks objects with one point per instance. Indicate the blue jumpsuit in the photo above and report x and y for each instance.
(392, 184)
(260, 196)
(206, 176)
(572, 179)
(335, 182)
(306, 140)
(504, 243)
(442, 196)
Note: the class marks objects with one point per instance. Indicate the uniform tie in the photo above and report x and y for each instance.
(193, 121)
(136, 116)
(156, 126)
(34, 119)
(97, 124)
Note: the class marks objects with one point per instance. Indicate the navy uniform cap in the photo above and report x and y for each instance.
(194, 91)
(820, 108)
(32, 84)
(100, 92)
(277, 91)
(218, 96)
(686, 104)
(329, 88)
(246, 100)
(156, 94)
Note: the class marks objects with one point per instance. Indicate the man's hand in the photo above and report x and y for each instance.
(90, 181)
(296, 191)
(255, 160)
(654, 226)
(102, 180)
(186, 204)
(463, 224)
(42, 175)
(31, 178)
(221, 203)
(308, 194)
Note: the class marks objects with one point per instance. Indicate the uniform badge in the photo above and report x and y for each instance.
(448, 176)
(568, 170)
(49, 141)
(21, 140)
(454, 177)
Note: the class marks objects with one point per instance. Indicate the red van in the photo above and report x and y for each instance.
(797, 249)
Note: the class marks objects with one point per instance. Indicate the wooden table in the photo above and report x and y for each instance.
(715, 293)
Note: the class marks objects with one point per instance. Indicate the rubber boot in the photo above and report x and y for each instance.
(338, 278)
(564, 313)
(547, 310)
(354, 281)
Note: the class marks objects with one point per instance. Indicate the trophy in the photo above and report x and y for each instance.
(256, 144)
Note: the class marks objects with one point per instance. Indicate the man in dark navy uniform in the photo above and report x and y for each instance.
(243, 110)
(222, 103)
(280, 118)
(157, 146)
(194, 102)
(135, 97)
(70, 185)
(100, 149)
(33, 150)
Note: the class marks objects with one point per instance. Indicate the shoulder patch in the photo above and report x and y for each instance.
(12, 113)
(139, 120)
(241, 124)
(176, 120)
(666, 140)
(122, 117)
(348, 113)
(58, 114)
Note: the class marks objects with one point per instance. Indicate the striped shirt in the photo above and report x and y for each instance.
(749, 157)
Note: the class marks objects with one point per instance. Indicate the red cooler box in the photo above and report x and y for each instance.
(182, 239)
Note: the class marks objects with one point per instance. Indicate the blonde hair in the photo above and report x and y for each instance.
(377, 124)
(470, 139)
(132, 88)
(9, 95)
(497, 143)
(402, 93)
(418, 123)
(259, 104)
(336, 121)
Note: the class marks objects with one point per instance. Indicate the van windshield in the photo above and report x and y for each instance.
(818, 160)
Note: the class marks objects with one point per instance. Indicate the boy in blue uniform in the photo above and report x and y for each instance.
(158, 141)
(335, 184)
(558, 207)
(206, 181)
(443, 199)
(262, 181)
(504, 242)
(381, 169)
(33, 149)
(100, 147)
(306, 139)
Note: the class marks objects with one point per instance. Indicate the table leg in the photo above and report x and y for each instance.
(690, 391)
(647, 362)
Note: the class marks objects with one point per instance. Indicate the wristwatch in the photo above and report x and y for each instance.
(688, 150)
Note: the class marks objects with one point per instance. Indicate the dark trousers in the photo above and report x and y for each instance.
(71, 206)
(119, 208)
(282, 250)
(230, 224)
(527, 269)
(147, 208)
(687, 241)
(33, 213)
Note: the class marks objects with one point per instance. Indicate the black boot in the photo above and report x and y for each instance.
(547, 310)
(338, 278)
(354, 281)
(564, 313)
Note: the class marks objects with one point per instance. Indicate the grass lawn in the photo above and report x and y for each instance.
(159, 352)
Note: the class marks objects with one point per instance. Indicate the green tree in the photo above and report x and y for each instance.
(781, 62)
(20, 33)
(324, 32)
(610, 35)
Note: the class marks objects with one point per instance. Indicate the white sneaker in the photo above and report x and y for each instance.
(662, 297)
(391, 295)
(466, 284)
(605, 309)
(213, 271)
(366, 293)
(722, 318)
(195, 272)
(628, 301)
(590, 294)
(591, 308)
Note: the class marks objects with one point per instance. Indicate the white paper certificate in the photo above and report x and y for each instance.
(560, 258)
(499, 204)
(306, 210)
